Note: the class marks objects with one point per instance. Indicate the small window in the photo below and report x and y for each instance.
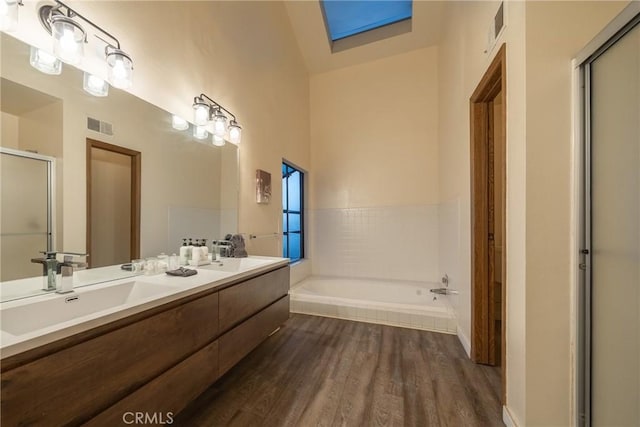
(292, 213)
(348, 18)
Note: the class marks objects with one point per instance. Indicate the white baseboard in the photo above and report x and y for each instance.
(507, 418)
(466, 344)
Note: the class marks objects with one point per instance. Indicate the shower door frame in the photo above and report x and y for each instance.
(51, 189)
(613, 32)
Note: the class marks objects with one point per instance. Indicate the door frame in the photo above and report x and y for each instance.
(493, 83)
(136, 163)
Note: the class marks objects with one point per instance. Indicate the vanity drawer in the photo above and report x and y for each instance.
(238, 342)
(168, 394)
(76, 383)
(239, 302)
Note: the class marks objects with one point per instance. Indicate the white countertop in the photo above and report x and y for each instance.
(24, 322)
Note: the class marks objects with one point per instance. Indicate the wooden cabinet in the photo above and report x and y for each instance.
(156, 362)
(238, 342)
(169, 393)
(241, 301)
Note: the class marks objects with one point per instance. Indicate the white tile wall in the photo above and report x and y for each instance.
(399, 242)
(454, 229)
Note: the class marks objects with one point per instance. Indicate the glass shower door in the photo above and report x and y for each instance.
(25, 213)
(613, 221)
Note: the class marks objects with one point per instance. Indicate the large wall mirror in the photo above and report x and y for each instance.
(187, 188)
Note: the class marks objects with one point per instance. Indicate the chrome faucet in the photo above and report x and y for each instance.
(51, 267)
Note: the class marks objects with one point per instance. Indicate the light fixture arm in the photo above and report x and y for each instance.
(202, 97)
(65, 10)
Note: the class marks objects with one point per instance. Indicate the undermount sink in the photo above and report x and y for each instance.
(236, 264)
(32, 316)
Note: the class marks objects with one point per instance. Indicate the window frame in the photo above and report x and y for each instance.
(285, 198)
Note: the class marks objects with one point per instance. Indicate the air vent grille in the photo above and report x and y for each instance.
(498, 21)
(99, 126)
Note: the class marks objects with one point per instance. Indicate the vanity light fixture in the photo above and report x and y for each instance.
(69, 38)
(200, 113)
(178, 123)
(9, 14)
(235, 132)
(95, 85)
(209, 112)
(219, 123)
(44, 61)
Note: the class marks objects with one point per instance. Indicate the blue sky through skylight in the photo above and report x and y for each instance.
(349, 17)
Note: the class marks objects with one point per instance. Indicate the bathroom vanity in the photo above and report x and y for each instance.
(161, 344)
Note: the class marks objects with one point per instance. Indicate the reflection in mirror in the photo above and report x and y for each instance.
(188, 187)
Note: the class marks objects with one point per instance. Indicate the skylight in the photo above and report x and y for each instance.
(347, 18)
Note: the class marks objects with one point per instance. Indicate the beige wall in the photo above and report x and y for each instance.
(242, 54)
(374, 133)
(10, 130)
(542, 38)
(41, 130)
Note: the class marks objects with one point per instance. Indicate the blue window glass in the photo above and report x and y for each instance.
(292, 213)
(350, 17)
(294, 222)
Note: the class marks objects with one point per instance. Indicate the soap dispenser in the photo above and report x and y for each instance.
(195, 253)
(204, 250)
(184, 252)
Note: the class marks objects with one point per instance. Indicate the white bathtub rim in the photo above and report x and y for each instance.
(442, 309)
(425, 283)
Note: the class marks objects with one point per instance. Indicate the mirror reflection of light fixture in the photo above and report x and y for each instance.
(218, 141)
(210, 113)
(44, 62)
(178, 123)
(200, 132)
(69, 38)
(95, 85)
(9, 14)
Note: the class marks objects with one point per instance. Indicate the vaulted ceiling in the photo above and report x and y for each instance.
(309, 28)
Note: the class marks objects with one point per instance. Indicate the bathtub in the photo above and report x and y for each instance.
(388, 302)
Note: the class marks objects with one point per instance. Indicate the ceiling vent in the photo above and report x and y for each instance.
(99, 126)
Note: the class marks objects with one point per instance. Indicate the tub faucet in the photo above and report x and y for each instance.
(51, 267)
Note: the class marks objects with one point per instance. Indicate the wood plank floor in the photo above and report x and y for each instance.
(319, 371)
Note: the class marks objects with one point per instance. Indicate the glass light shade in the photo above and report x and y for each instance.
(200, 113)
(68, 39)
(219, 124)
(120, 69)
(95, 85)
(200, 132)
(235, 132)
(44, 62)
(178, 123)
(8, 15)
(218, 141)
